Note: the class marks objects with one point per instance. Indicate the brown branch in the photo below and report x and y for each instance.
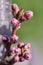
(14, 30)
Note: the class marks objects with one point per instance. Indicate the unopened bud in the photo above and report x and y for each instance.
(27, 56)
(16, 58)
(27, 46)
(14, 22)
(21, 44)
(12, 51)
(22, 59)
(18, 51)
(5, 38)
(14, 38)
(15, 8)
(28, 14)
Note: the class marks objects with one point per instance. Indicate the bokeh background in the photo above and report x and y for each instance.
(32, 30)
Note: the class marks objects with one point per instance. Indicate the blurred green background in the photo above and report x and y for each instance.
(32, 30)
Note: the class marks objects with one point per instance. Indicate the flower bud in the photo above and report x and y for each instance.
(16, 58)
(12, 50)
(5, 38)
(27, 46)
(20, 45)
(14, 38)
(22, 59)
(15, 8)
(28, 14)
(14, 22)
(18, 51)
(27, 56)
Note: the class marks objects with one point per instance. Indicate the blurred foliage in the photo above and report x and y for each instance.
(32, 30)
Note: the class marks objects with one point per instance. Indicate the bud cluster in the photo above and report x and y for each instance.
(22, 52)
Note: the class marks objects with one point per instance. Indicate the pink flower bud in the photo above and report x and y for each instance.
(14, 38)
(18, 51)
(15, 8)
(21, 44)
(27, 46)
(18, 26)
(22, 59)
(28, 14)
(27, 56)
(5, 38)
(12, 50)
(16, 58)
(14, 22)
